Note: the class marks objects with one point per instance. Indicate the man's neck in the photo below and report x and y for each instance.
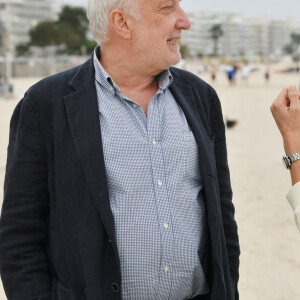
(126, 72)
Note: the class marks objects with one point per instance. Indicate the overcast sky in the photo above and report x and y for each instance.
(267, 8)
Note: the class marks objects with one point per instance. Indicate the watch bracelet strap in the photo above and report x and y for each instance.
(292, 158)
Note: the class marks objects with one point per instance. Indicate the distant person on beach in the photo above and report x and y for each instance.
(230, 74)
(213, 73)
(245, 72)
(6, 88)
(267, 74)
(286, 112)
(117, 182)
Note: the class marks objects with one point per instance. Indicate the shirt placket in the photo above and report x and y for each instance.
(158, 273)
(155, 110)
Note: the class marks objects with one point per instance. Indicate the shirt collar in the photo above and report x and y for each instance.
(164, 79)
(102, 77)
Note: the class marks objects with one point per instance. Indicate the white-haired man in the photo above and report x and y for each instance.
(117, 182)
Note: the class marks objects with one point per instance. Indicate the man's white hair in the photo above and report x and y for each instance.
(98, 12)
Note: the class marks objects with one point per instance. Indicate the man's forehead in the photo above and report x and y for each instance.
(157, 4)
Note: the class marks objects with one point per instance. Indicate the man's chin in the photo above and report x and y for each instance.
(176, 61)
(167, 64)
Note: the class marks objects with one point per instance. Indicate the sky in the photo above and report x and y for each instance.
(265, 8)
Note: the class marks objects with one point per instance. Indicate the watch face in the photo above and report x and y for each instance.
(286, 162)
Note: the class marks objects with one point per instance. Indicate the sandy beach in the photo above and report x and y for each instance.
(270, 241)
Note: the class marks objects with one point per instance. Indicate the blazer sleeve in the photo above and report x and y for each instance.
(24, 265)
(294, 199)
(227, 208)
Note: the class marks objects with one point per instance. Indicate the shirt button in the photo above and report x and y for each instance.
(134, 105)
(115, 287)
(154, 142)
(159, 183)
(166, 269)
(166, 226)
(111, 89)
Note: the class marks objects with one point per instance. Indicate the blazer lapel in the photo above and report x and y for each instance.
(83, 117)
(183, 94)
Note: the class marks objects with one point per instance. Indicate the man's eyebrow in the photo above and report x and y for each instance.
(166, 1)
(163, 3)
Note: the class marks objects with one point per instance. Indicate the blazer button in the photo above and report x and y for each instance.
(115, 287)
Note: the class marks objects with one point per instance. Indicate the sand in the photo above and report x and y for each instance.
(270, 241)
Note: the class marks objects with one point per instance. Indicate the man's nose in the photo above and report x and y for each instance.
(183, 21)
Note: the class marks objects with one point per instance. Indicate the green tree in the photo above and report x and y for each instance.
(73, 25)
(295, 37)
(215, 33)
(288, 49)
(22, 49)
(293, 47)
(90, 46)
(69, 30)
(200, 54)
(46, 33)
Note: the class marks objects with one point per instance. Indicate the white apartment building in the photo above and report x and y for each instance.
(17, 17)
(242, 35)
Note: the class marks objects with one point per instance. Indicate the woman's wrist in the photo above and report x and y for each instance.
(292, 147)
(295, 172)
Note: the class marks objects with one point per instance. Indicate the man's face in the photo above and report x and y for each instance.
(155, 38)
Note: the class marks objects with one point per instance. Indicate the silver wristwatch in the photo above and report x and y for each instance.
(288, 160)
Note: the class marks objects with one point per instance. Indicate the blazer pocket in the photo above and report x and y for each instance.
(47, 296)
(70, 294)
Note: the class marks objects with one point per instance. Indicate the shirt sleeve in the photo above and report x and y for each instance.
(294, 198)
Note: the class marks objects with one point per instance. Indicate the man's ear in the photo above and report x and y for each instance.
(120, 23)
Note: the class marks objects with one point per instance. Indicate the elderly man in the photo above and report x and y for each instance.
(117, 182)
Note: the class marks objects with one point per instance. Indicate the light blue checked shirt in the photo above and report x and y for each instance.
(155, 192)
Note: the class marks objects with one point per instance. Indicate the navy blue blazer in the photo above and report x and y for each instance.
(57, 236)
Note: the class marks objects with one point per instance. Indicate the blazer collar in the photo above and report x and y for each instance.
(84, 78)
